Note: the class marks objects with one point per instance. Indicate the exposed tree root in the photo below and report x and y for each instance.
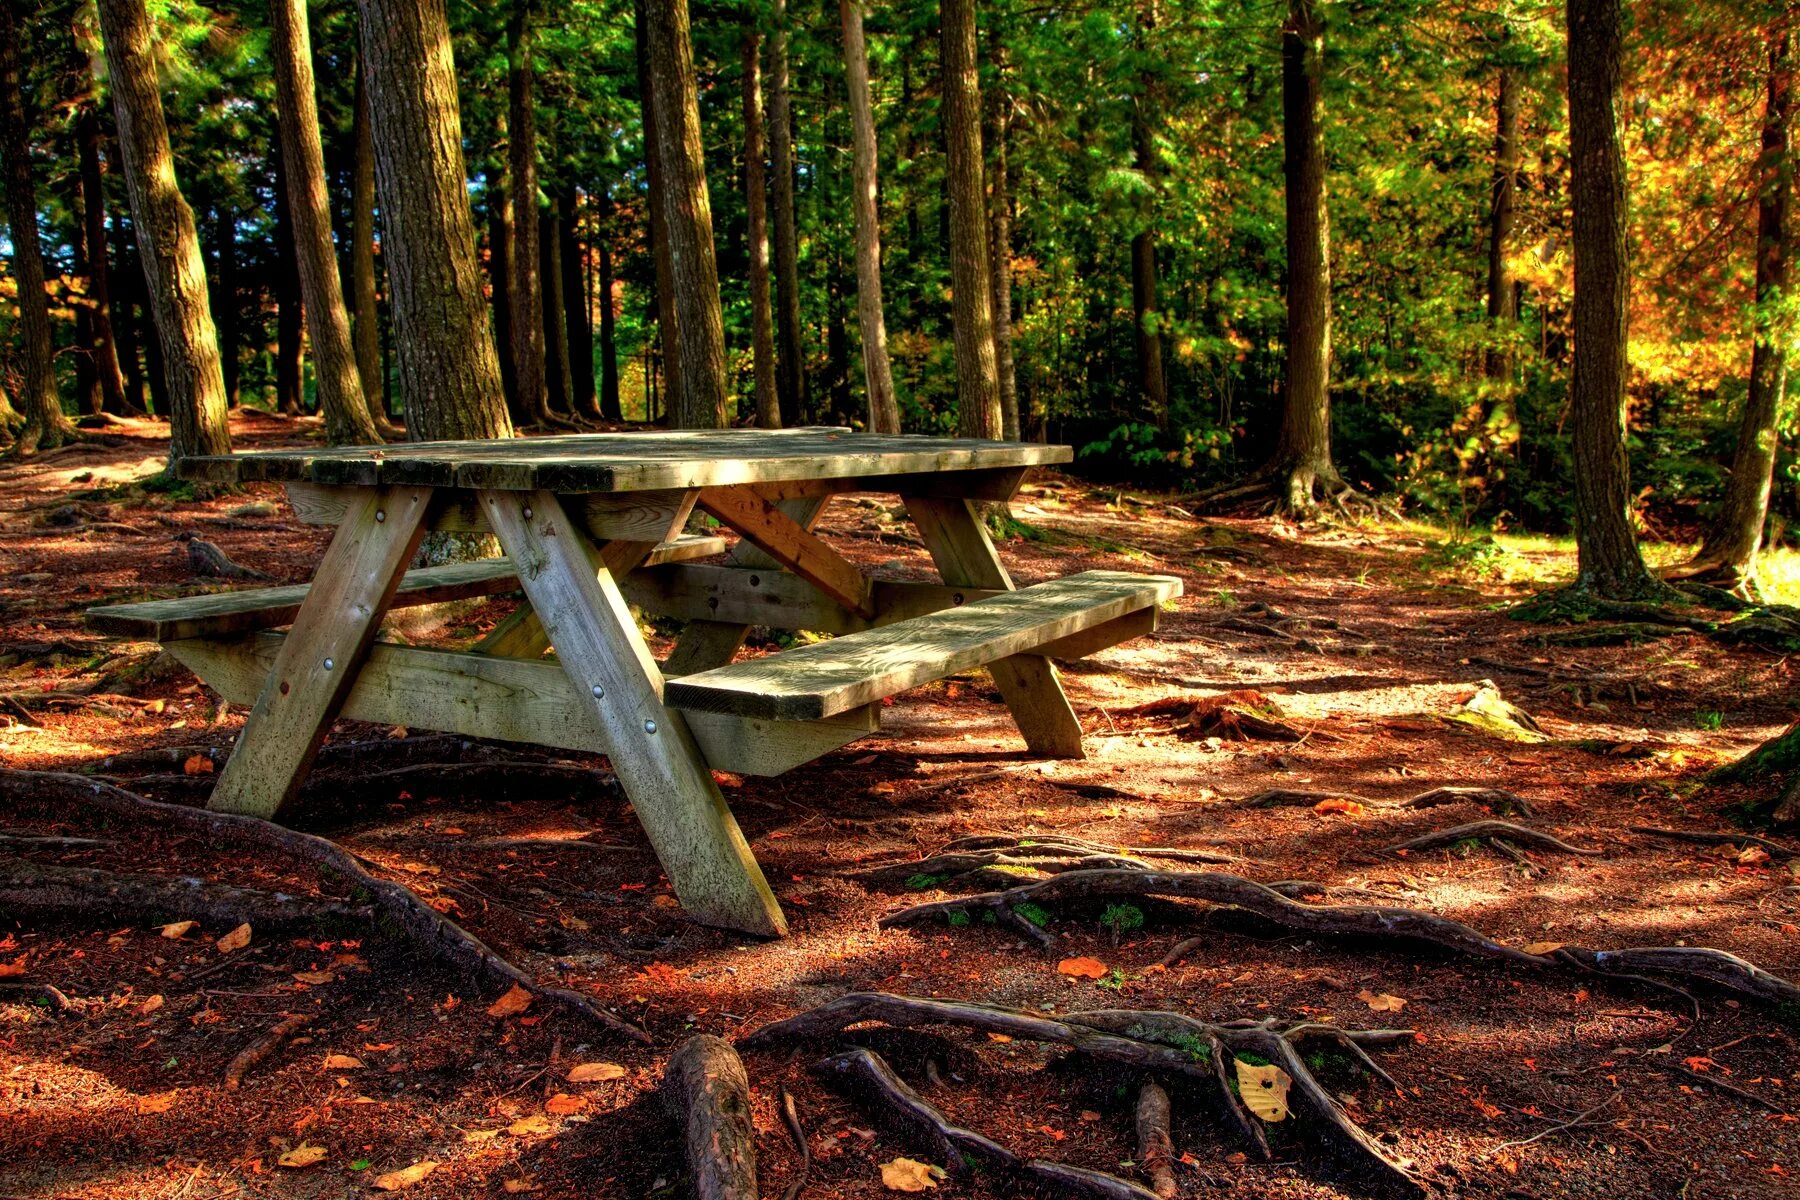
(1242, 715)
(252, 1055)
(1164, 1043)
(790, 1119)
(704, 1088)
(993, 858)
(52, 996)
(1499, 799)
(1155, 1150)
(29, 889)
(1720, 839)
(209, 562)
(1717, 967)
(406, 914)
(1734, 621)
(1494, 831)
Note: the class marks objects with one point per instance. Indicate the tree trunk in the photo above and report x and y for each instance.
(99, 282)
(290, 305)
(46, 425)
(878, 376)
(1607, 549)
(1501, 295)
(341, 398)
(225, 297)
(756, 208)
(449, 375)
(87, 396)
(668, 323)
(609, 345)
(977, 375)
(1732, 544)
(1145, 311)
(1303, 448)
(558, 381)
(999, 131)
(365, 319)
(500, 252)
(790, 363)
(524, 292)
(687, 215)
(127, 284)
(577, 313)
(174, 272)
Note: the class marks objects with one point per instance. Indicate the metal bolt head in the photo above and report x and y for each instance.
(649, 726)
(329, 664)
(528, 512)
(599, 692)
(380, 515)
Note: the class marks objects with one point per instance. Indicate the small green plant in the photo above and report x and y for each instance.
(1710, 722)
(1464, 553)
(1121, 918)
(1037, 914)
(1112, 981)
(922, 881)
(1466, 847)
(1225, 598)
(958, 919)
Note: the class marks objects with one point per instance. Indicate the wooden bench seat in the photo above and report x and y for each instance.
(1063, 618)
(223, 614)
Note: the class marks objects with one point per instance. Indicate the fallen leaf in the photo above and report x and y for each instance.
(909, 1175)
(176, 930)
(393, 1181)
(1381, 1001)
(516, 1001)
(302, 1155)
(562, 1104)
(378, 1047)
(1754, 856)
(535, 1123)
(1542, 948)
(237, 939)
(199, 764)
(151, 1005)
(1082, 968)
(1337, 804)
(1264, 1089)
(522, 1184)
(15, 967)
(477, 1136)
(314, 977)
(597, 1072)
(342, 1062)
(161, 1102)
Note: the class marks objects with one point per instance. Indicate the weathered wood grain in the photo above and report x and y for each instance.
(808, 683)
(791, 544)
(755, 746)
(634, 516)
(780, 599)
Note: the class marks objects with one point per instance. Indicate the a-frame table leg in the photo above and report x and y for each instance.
(324, 651)
(597, 644)
(965, 557)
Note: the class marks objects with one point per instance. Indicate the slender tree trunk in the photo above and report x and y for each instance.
(365, 318)
(99, 281)
(46, 425)
(998, 134)
(127, 284)
(577, 312)
(290, 305)
(687, 214)
(1501, 294)
(558, 382)
(1607, 549)
(1145, 310)
(668, 322)
(174, 272)
(790, 364)
(977, 374)
(756, 207)
(500, 252)
(878, 376)
(525, 292)
(1303, 447)
(449, 375)
(341, 398)
(1735, 539)
(88, 401)
(225, 297)
(609, 346)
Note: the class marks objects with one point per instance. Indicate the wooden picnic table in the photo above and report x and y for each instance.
(591, 524)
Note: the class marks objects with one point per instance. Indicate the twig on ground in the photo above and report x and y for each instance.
(250, 1056)
(1728, 1088)
(1490, 830)
(790, 1118)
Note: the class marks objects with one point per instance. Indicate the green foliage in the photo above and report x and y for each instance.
(1121, 918)
(958, 920)
(1037, 914)
(1709, 721)
(921, 882)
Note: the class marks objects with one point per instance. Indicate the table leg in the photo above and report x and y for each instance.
(704, 645)
(324, 650)
(965, 557)
(598, 646)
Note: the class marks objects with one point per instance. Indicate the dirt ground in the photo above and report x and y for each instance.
(1517, 1084)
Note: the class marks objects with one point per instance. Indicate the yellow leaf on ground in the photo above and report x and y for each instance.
(476, 1136)
(522, 1184)
(342, 1062)
(909, 1175)
(516, 1001)
(562, 1104)
(535, 1123)
(237, 939)
(597, 1072)
(1264, 1089)
(1754, 856)
(175, 930)
(161, 1102)
(1382, 1001)
(1082, 968)
(393, 1181)
(1542, 948)
(302, 1155)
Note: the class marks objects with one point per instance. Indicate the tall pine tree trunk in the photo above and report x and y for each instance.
(499, 262)
(609, 345)
(1145, 311)
(578, 326)
(1303, 447)
(341, 399)
(668, 322)
(290, 304)
(1609, 562)
(87, 382)
(46, 425)
(878, 375)
(756, 209)
(790, 362)
(977, 375)
(225, 296)
(558, 381)
(525, 291)
(1000, 242)
(1728, 556)
(127, 287)
(174, 273)
(99, 281)
(687, 215)
(365, 319)
(1502, 307)
(449, 375)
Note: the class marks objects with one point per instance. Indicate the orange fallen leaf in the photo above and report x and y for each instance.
(1542, 948)
(516, 1001)
(1264, 1089)
(1381, 1001)
(1082, 968)
(393, 1181)
(303, 1155)
(1336, 804)
(197, 764)
(1752, 857)
(314, 977)
(151, 1005)
(237, 939)
(176, 930)
(342, 1062)
(535, 1123)
(909, 1175)
(562, 1104)
(15, 967)
(160, 1102)
(595, 1072)
(522, 1184)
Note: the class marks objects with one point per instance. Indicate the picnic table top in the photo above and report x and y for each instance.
(626, 462)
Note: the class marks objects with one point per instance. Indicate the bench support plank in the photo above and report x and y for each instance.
(706, 644)
(791, 544)
(618, 684)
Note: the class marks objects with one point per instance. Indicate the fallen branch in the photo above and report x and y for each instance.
(1155, 1151)
(1502, 801)
(37, 890)
(250, 1056)
(1491, 830)
(1731, 1089)
(1719, 839)
(34, 841)
(992, 858)
(435, 933)
(705, 1088)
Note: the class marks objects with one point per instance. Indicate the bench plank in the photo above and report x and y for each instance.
(809, 683)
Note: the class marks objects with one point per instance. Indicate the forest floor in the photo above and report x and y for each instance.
(1518, 1084)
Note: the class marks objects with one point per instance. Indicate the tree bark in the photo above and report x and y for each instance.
(1607, 550)
(878, 376)
(577, 316)
(977, 375)
(174, 273)
(609, 348)
(46, 425)
(365, 319)
(790, 363)
(526, 291)
(705, 1089)
(500, 252)
(99, 282)
(290, 304)
(341, 398)
(687, 215)
(667, 321)
(127, 285)
(1146, 316)
(1501, 296)
(87, 383)
(449, 374)
(1000, 243)
(224, 297)
(756, 208)
(1303, 448)
(558, 377)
